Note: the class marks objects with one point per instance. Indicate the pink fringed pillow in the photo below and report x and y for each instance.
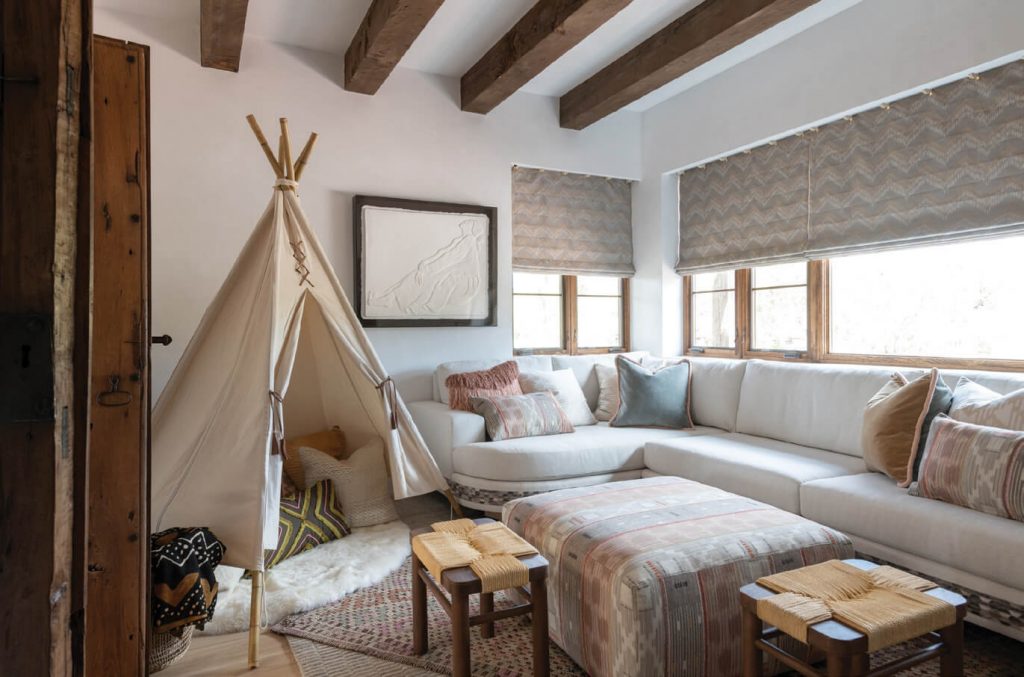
(497, 381)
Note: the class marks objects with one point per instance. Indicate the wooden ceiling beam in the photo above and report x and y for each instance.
(388, 30)
(547, 31)
(705, 32)
(221, 27)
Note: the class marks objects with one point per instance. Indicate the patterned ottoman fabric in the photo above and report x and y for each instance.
(645, 574)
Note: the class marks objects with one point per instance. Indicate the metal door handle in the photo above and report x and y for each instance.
(162, 340)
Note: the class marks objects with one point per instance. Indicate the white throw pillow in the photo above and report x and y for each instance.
(974, 403)
(608, 397)
(566, 389)
(360, 482)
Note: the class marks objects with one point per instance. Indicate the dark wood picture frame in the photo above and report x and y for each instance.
(360, 201)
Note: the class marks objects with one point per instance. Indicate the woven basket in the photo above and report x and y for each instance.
(167, 647)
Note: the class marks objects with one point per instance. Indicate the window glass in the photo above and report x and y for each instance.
(598, 312)
(713, 310)
(960, 300)
(778, 307)
(536, 311)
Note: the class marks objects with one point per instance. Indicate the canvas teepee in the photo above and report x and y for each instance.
(279, 351)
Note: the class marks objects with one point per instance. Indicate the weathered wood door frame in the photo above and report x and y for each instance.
(117, 544)
(44, 47)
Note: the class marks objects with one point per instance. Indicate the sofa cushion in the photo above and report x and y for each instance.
(715, 391)
(583, 367)
(446, 369)
(871, 506)
(814, 405)
(757, 467)
(588, 451)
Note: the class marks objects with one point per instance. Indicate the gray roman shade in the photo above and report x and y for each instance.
(571, 224)
(942, 165)
(929, 168)
(746, 209)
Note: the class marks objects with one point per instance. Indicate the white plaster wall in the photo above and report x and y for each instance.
(210, 182)
(872, 51)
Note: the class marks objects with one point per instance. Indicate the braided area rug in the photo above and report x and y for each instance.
(377, 621)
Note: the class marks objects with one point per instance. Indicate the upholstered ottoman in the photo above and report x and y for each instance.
(644, 575)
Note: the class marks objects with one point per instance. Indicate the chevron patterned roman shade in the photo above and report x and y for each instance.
(571, 224)
(938, 166)
(746, 209)
(929, 168)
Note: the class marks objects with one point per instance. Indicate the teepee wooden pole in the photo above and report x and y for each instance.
(264, 145)
(286, 151)
(304, 156)
(255, 607)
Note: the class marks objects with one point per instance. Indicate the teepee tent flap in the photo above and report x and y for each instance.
(279, 343)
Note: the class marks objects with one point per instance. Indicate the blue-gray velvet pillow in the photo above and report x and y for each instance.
(653, 398)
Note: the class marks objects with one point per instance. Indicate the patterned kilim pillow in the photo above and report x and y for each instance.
(309, 518)
(975, 466)
(515, 416)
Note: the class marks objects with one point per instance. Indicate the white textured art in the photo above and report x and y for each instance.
(424, 265)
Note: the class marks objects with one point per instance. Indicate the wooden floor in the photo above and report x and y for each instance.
(227, 655)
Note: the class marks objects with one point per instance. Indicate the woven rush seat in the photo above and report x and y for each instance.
(842, 611)
(491, 550)
(477, 557)
(887, 605)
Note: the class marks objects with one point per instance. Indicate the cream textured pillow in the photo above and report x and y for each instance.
(566, 389)
(974, 403)
(608, 396)
(360, 482)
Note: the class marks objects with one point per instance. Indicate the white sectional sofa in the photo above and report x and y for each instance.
(787, 434)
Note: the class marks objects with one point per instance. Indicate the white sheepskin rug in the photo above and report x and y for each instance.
(312, 579)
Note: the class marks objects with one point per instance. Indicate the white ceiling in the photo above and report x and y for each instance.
(463, 30)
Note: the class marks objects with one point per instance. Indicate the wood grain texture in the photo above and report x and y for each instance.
(40, 126)
(388, 30)
(117, 555)
(705, 32)
(547, 31)
(225, 656)
(221, 29)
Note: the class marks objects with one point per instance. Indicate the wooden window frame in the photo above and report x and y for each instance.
(818, 332)
(570, 329)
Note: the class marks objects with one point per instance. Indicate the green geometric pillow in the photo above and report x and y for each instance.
(308, 519)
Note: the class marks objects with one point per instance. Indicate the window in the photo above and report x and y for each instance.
(537, 311)
(960, 300)
(713, 310)
(950, 305)
(778, 307)
(569, 314)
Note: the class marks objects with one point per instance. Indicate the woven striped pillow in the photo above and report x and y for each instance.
(522, 416)
(974, 466)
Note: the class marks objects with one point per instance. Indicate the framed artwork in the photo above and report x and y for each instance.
(424, 264)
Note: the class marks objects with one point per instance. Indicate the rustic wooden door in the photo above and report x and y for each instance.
(117, 530)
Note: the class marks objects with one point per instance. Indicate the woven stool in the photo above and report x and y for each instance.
(460, 583)
(846, 649)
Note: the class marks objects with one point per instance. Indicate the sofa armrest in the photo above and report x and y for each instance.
(444, 429)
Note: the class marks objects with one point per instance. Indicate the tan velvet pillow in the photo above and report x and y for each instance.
(331, 442)
(893, 419)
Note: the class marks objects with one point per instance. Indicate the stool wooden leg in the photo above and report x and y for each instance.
(539, 618)
(845, 665)
(460, 635)
(753, 666)
(952, 662)
(419, 610)
(486, 607)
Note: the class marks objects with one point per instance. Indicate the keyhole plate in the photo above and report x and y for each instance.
(26, 368)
